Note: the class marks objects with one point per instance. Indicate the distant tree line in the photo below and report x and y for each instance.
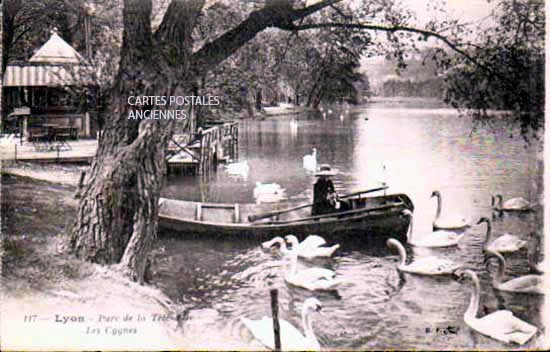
(430, 88)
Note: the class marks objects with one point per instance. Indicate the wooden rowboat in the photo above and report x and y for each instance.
(370, 218)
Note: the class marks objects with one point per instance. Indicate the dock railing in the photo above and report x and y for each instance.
(215, 143)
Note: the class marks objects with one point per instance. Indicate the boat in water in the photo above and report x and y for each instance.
(370, 218)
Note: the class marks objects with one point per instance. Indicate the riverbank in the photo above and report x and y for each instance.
(55, 301)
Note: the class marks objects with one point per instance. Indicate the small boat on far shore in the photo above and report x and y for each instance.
(370, 218)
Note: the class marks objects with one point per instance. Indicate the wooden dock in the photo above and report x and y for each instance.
(201, 151)
(197, 153)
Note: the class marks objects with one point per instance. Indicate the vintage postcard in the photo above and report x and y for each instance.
(273, 175)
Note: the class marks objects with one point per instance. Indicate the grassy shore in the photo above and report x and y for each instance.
(53, 301)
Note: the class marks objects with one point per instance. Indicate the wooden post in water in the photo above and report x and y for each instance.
(275, 314)
(15, 153)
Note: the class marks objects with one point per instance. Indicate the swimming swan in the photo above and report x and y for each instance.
(514, 204)
(451, 222)
(435, 239)
(268, 192)
(291, 338)
(311, 247)
(522, 284)
(313, 279)
(293, 126)
(501, 325)
(310, 160)
(504, 244)
(267, 188)
(240, 168)
(422, 266)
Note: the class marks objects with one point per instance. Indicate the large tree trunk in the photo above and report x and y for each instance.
(118, 212)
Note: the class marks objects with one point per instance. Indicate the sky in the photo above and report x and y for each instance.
(466, 10)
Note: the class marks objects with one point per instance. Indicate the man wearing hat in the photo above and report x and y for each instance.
(325, 198)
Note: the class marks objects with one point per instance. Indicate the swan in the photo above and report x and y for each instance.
(525, 284)
(423, 266)
(291, 338)
(514, 204)
(267, 189)
(455, 222)
(504, 244)
(439, 238)
(311, 247)
(313, 279)
(293, 126)
(501, 325)
(240, 168)
(310, 160)
(276, 240)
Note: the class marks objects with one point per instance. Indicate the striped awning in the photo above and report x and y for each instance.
(42, 75)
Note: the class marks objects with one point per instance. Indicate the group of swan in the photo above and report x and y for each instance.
(313, 279)
(501, 325)
(311, 247)
(291, 338)
(443, 238)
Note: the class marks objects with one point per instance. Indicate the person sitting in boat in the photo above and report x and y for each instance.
(325, 198)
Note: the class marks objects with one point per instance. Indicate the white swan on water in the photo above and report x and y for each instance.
(521, 284)
(310, 160)
(440, 238)
(269, 188)
(504, 244)
(268, 192)
(514, 204)
(311, 247)
(448, 222)
(240, 168)
(501, 325)
(293, 126)
(313, 279)
(291, 338)
(422, 266)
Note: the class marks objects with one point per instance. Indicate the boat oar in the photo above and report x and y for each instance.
(254, 217)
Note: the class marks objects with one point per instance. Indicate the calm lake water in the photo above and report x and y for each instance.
(413, 146)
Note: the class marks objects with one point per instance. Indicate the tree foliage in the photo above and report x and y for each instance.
(504, 68)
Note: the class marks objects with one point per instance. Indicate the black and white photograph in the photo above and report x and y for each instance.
(289, 175)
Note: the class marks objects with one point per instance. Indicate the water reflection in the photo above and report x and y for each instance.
(416, 151)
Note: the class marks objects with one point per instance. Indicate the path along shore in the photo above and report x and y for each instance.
(53, 301)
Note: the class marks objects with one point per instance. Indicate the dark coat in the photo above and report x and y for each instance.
(322, 189)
